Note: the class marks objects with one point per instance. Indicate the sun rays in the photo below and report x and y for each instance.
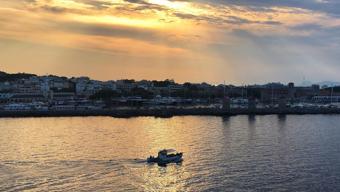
(205, 38)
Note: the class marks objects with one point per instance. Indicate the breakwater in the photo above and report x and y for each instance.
(167, 112)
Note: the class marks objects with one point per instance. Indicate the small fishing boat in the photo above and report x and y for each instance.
(166, 156)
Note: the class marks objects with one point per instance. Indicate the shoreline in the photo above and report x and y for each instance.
(165, 113)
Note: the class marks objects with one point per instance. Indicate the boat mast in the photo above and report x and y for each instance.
(332, 95)
(272, 94)
(223, 89)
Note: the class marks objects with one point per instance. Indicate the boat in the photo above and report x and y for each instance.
(166, 156)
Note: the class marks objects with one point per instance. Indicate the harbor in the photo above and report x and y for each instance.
(168, 112)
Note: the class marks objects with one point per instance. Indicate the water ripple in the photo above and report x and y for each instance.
(262, 153)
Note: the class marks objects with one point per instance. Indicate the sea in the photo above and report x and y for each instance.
(237, 153)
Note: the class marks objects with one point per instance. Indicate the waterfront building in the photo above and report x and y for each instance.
(17, 107)
(275, 92)
(5, 86)
(326, 99)
(29, 86)
(63, 107)
(26, 98)
(110, 85)
(89, 88)
(125, 85)
(5, 97)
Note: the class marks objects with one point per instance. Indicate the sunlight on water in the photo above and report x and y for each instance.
(285, 153)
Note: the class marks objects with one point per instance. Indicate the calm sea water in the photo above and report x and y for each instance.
(241, 153)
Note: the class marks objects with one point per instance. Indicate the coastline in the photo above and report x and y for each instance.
(164, 113)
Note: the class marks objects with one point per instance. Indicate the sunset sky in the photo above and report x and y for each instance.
(239, 41)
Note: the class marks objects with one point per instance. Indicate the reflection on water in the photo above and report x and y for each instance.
(282, 121)
(260, 153)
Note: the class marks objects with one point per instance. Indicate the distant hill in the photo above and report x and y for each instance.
(322, 83)
(329, 84)
(13, 77)
(336, 89)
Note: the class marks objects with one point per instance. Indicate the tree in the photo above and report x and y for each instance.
(145, 94)
(105, 94)
(164, 83)
(13, 77)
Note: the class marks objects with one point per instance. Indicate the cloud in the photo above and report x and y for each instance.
(329, 6)
(264, 39)
(170, 13)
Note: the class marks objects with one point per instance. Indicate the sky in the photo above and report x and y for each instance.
(237, 41)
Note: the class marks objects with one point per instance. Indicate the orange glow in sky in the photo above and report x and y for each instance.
(159, 39)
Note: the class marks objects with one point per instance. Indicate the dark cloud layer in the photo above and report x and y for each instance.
(236, 40)
(327, 6)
